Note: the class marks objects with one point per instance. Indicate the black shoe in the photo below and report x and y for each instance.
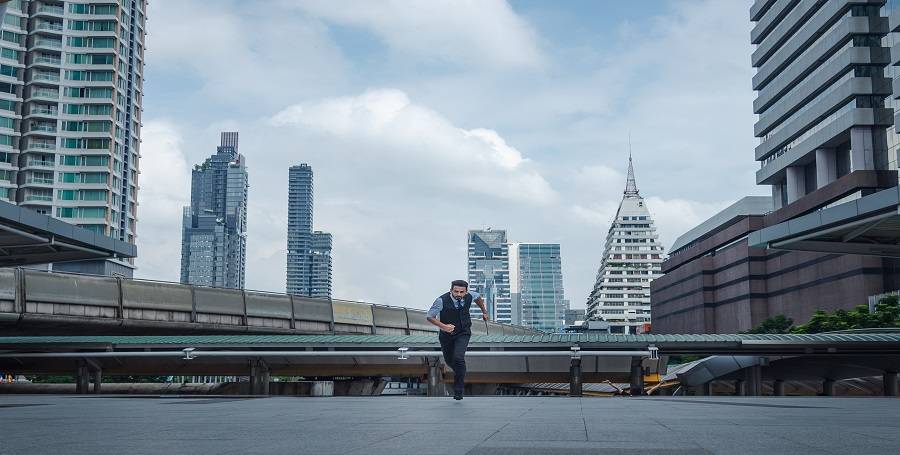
(457, 396)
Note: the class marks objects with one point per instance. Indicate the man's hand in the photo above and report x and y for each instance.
(449, 328)
(486, 317)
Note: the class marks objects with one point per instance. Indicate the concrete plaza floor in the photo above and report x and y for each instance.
(41, 424)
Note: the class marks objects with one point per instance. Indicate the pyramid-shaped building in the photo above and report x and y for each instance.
(632, 258)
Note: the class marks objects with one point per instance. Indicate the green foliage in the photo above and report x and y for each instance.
(887, 314)
(775, 324)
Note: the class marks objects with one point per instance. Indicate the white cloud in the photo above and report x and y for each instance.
(391, 128)
(468, 32)
(164, 189)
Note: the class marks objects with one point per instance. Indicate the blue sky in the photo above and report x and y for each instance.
(425, 119)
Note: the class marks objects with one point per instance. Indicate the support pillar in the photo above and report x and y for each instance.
(259, 377)
(706, 389)
(637, 376)
(826, 167)
(436, 387)
(753, 381)
(778, 388)
(890, 383)
(97, 377)
(796, 183)
(575, 377)
(82, 377)
(777, 189)
(862, 148)
(828, 387)
(740, 388)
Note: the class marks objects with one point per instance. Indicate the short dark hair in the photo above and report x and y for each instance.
(462, 283)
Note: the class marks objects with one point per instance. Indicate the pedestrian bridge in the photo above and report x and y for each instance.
(494, 359)
(35, 302)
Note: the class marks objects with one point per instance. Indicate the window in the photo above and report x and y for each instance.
(89, 75)
(95, 26)
(92, 42)
(9, 53)
(8, 71)
(6, 140)
(100, 10)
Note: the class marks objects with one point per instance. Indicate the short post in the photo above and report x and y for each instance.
(435, 378)
(82, 377)
(828, 387)
(575, 377)
(259, 377)
(778, 388)
(890, 383)
(637, 377)
(97, 377)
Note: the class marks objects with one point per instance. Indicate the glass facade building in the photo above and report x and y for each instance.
(488, 272)
(71, 83)
(540, 286)
(308, 253)
(214, 226)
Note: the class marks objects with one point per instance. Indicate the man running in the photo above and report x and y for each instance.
(450, 313)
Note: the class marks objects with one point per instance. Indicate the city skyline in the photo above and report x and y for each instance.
(548, 160)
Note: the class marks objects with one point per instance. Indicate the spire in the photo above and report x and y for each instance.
(631, 189)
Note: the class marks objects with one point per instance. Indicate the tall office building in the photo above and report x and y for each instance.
(488, 270)
(214, 227)
(632, 258)
(824, 75)
(308, 252)
(71, 82)
(540, 286)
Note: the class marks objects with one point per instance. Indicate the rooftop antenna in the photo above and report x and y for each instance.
(630, 184)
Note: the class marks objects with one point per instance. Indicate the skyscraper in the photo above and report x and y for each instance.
(540, 286)
(308, 252)
(214, 227)
(632, 258)
(71, 82)
(488, 270)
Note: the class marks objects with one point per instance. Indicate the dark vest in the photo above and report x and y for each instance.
(459, 318)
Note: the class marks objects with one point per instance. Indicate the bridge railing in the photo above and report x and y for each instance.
(32, 296)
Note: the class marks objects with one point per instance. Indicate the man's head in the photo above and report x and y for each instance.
(458, 289)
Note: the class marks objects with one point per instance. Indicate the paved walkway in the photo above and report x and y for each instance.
(417, 425)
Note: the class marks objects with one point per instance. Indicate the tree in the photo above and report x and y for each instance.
(775, 324)
(886, 314)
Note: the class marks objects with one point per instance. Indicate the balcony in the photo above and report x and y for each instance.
(54, 10)
(51, 77)
(39, 163)
(45, 93)
(38, 181)
(43, 128)
(44, 111)
(42, 145)
(42, 60)
(38, 198)
(52, 43)
(49, 27)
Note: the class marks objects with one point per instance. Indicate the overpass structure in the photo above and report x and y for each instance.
(35, 302)
(492, 359)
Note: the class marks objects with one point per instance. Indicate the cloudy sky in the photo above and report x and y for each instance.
(425, 119)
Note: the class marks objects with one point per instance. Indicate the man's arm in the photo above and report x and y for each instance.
(434, 312)
(484, 314)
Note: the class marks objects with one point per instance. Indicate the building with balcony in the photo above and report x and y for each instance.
(488, 272)
(308, 252)
(70, 115)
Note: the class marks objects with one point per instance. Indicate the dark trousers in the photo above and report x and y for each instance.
(454, 349)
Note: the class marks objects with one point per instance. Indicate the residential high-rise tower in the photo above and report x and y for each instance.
(540, 286)
(308, 253)
(71, 82)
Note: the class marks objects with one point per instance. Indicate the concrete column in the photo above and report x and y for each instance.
(575, 377)
(796, 183)
(828, 387)
(707, 389)
(436, 387)
(862, 149)
(637, 376)
(777, 189)
(826, 167)
(97, 377)
(778, 388)
(890, 383)
(82, 378)
(753, 381)
(259, 377)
